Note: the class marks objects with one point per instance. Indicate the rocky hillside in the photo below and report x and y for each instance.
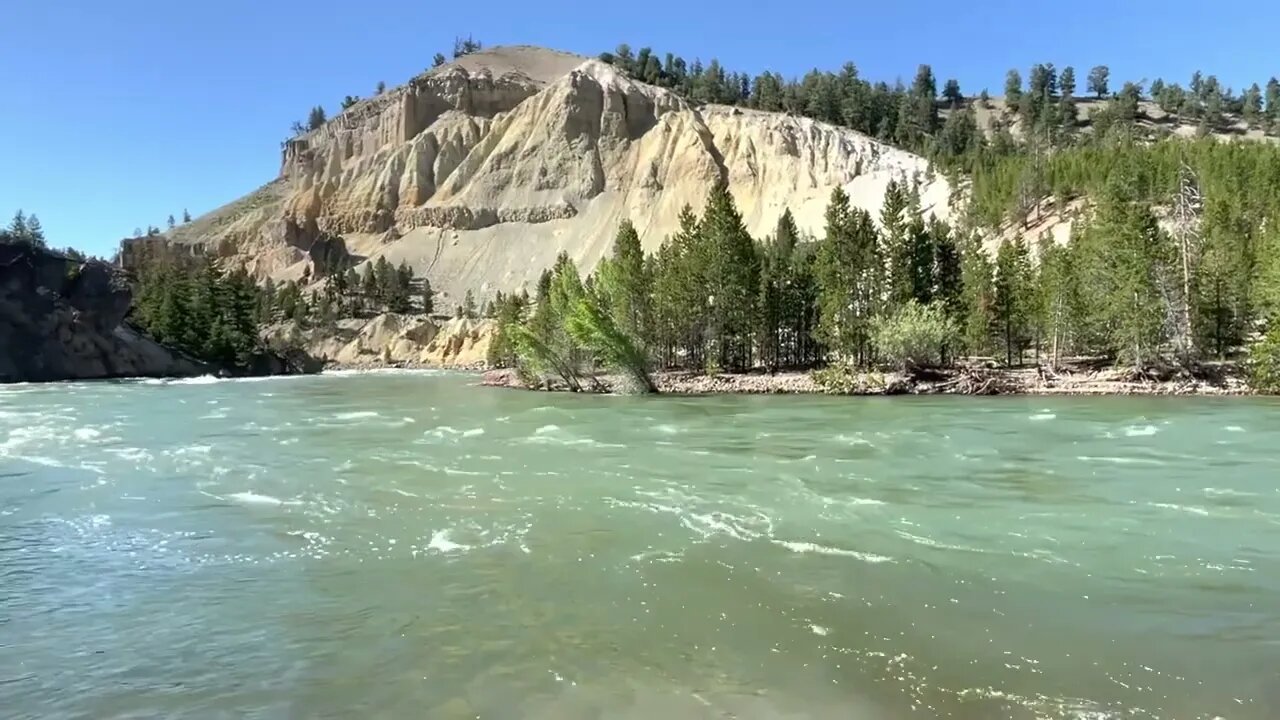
(478, 173)
(62, 319)
(392, 339)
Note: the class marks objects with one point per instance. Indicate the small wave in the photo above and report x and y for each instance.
(819, 630)
(1119, 460)
(854, 440)
(716, 522)
(861, 501)
(448, 432)
(1039, 417)
(1233, 428)
(137, 455)
(553, 435)
(200, 380)
(666, 429)
(1227, 492)
(930, 542)
(356, 415)
(661, 556)
(253, 498)
(1141, 430)
(382, 371)
(1181, 508)
(441, 543)
(85, 434)
(814, 548)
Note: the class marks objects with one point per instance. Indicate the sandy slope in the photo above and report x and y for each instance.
(479, 172)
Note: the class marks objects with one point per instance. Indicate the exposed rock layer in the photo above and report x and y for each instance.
(392, 339)
(61, 319)
(479, 172)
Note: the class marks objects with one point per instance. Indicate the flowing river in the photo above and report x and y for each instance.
(409, 545)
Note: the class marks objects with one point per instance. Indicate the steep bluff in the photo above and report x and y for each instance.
(61, 319)
(479, 172)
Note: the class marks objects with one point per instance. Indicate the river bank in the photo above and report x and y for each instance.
(1222, 379)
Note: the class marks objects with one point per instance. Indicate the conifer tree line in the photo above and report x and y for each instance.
(193, 304)
(197, 307)
(26, 229)
(23, 229)
(909, 115)
(1134, 286)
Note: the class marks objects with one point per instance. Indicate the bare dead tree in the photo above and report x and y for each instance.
(1188, 206)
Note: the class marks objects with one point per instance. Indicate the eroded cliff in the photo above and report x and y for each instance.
(480, 172)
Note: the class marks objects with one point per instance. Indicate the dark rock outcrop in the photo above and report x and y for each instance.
(63, 319)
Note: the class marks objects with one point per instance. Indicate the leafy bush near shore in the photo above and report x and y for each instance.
(1264, 363)
(843, 379)
(915, 335)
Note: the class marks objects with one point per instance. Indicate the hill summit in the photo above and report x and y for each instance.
(477, 173)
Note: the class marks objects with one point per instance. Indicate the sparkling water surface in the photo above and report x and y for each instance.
(410, 545)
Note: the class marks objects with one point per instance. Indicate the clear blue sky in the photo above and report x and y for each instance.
(116, 114)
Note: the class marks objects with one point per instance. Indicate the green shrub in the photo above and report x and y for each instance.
(914, 337)
(1263, 364)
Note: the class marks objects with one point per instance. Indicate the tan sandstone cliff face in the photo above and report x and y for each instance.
(479, 173)
(393, 339)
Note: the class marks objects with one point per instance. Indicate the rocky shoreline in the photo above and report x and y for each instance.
(1220, 380)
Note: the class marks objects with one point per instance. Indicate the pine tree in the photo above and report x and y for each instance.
(1098, 80)
(731, 280)
(848, 271)
(18, 226)
(951, 92)
(680, 301)
(924, 93)
(399, 301)
(171, 222)
(1057, 299)
(381, 88)
(625, 285)
(315, 118)
(920, 254)
(948, 287)
(1012, 88)
(427, 297)
(1011, 297)
(897, 244)
(369, 289)
(469, 305)
(186, 216)
(769, 309)
(785, 235)
(1124, 261)
(1156, 91)
(1273, 104)
(1067, 82)
(438, 60)
(385, 281)
(464, 46)
(1252, 105)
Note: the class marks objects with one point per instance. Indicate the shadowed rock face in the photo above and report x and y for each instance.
(61, 319)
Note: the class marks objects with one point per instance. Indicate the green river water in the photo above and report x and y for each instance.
(390, 545)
